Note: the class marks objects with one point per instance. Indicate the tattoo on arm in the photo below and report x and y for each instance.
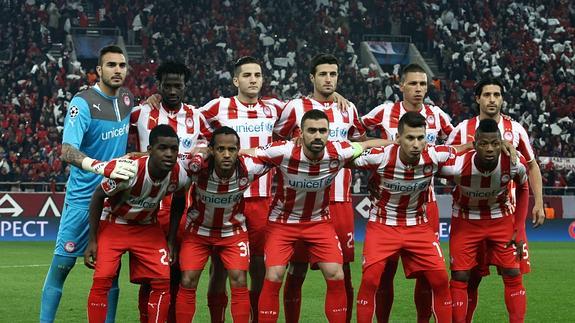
(72, 155)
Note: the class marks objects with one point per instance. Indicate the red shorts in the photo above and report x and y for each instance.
(466, 239)
(484, 256)
(319, 239)
(146, 244)
(256, 211)
(234, 251)
(164, 218)
(417, 246)
(342, 217)
(432, 213)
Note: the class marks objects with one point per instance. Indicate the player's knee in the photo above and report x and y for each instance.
(102, 284)
(460, 275)
(275, 273)
(298, 269)
(510, 272)
(238, 278)
(333, 273)
(189, 279)
(161, 285)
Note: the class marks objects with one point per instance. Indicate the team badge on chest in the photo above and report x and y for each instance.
(127, 100)
(189, 122)
(508, 135)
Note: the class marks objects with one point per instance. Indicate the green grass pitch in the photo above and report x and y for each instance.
(23, 266)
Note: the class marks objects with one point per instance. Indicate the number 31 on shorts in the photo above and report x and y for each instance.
(244, 249)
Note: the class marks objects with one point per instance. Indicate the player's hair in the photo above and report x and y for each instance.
(487, 126)
(243, 61)
(322, 59)
(162, 130)
(223, 131)
(412, 119)
(313, 114)
(411, 68)
(172, 67)
(109, 49)
(488, 81)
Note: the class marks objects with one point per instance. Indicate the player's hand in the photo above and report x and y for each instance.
(173, 253)
(509, 150)
(342, 103)
(373, 190)
(154, 101)
(90, 255)
(538, 216)
(121, 168)
(518, 245)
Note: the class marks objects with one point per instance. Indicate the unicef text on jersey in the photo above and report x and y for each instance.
(116, 132)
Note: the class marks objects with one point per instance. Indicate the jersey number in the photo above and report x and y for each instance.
(244, 249)
(164, 257)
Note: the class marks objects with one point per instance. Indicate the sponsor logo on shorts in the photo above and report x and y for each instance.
(70, 246)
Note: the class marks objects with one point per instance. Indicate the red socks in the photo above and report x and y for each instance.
(269, 302)
(98, 300)
(472, 294)
(441, 296)
(384, 295)
(460, 299)
(366, 295)
(159, 301)
(241, 305)
(515, 298)
(185, 304)
(217, 305)
(422, 299)
(292, 298)
(336, 301)
(348, 292)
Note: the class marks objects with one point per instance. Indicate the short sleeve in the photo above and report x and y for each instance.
(274, 153)
(287, 121)
(370, 159)
(113, 186)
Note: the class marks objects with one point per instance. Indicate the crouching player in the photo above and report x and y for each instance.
(123, 219)
(482, 214)
(216, 222)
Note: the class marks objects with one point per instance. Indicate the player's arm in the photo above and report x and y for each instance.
(536, 183)
(372, 143)
(96, 206)
(522, 204)
(176, 210)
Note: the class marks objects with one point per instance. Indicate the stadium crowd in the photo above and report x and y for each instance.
(526, 45)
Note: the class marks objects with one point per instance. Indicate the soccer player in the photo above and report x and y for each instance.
(344, 124)
(95, 131)
(216, 222)
(123, 219)
(385, 119)
(191, 127)
(482, 212)
(489, 97)
(398, 221)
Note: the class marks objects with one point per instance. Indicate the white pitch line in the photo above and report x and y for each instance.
(30, 266)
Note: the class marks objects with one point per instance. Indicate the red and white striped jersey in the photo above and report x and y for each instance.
(188, 122)
(403, 189)
(510, 130)
(254, 123)
(483, 195)
(303, 189)
(343, 125)
(385, 118)
(137, 200)
(218, 204)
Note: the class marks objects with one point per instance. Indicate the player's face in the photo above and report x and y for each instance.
(488, 147)
(412, 142)
(414, 87)
(249, 80)
(225, 152)
(164, 153)
(314, 134)
(490, 100)
(113, 70)
(325, 79)
(172, 89)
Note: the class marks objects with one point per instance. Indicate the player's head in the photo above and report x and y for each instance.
(413, 84)
(411, 137)
(163, 148)
(112, 66)
(323, 74)
(225, 146)
(487, 142)
(315, 130)
(489, 97)
(248, 77)
(172, 78)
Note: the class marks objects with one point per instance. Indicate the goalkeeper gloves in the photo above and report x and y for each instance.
(115, 169)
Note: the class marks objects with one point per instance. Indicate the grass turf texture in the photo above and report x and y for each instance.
(23, 266)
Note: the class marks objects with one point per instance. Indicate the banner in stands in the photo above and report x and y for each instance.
(389, 53)
(36, 216)
(557, 162)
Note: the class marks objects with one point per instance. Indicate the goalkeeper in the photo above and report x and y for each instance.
(95, 131)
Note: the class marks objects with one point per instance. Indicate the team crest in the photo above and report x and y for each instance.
(189, 122)
(430, 119)
(243, 181)
(127, 100)
(267, 111)
(74, 111)
(508, 136)
(505, 178)
(70, 246)
(428, 169)
(344, 113)
(187, 143)
(172, 187)
(334, 163)
(109, 185)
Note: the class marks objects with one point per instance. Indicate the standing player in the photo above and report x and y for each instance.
(398, 221)
(489, 97)
(344, 125)
(96, 128)
(216, 223)
(123, 219)
(190, 126)
(482, 214)
(385, 119)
